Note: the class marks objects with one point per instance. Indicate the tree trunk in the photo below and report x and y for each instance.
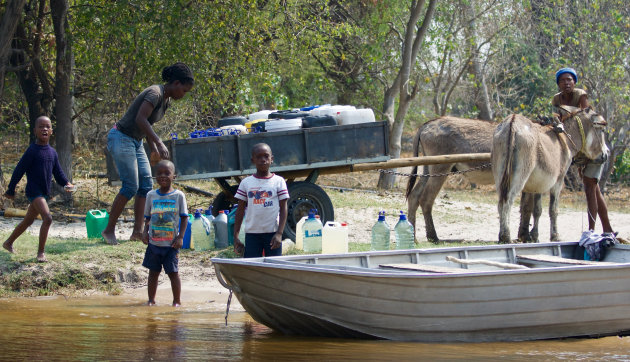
(8, 24)
(62, 91)
(34, 85)
(414, 37)
(482, 101)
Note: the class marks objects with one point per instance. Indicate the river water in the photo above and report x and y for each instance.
(123, 328)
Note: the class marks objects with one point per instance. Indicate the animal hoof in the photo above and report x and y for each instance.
(433, 240)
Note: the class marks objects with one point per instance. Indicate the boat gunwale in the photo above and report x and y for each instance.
(288, 262)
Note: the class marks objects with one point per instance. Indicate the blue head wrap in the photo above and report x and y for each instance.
(566, 70)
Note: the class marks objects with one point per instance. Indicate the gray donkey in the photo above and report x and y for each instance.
(452, 135)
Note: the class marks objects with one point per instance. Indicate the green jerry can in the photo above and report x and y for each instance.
(96, 221)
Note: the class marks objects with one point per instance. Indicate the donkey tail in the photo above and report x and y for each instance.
(417, 149)
(506, 178)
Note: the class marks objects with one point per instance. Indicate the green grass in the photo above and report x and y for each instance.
(73, 265)
(77, 265)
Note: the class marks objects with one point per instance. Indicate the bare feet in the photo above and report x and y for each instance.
(109, 238)
(8, 246)
(41, 258)
(135, 236)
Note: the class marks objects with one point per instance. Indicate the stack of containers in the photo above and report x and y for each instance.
(286, 120)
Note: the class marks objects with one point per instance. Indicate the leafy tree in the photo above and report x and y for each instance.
(592, 37)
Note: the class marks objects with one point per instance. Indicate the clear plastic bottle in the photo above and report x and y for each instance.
(198, 232)
(220, 230)
(208, 213)
(231, 217)
(210, 227)
(299, 233)
(312, 233)
(404, 233)
(380, 233)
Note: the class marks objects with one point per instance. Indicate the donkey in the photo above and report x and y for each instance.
(530, 157)
(451, 135)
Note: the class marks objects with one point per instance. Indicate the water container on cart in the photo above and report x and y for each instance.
(290, 114)
(318, 121)
(253, 126)
(283, 125)
(328, 110)
(231, 121)
(354, 116)
(264, 114)
(380, 233)
(236, 129)
(335, 238)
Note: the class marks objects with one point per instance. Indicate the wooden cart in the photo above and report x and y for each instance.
(300, 156)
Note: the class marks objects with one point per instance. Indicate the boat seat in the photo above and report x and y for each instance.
(551, 260)
(424, 268)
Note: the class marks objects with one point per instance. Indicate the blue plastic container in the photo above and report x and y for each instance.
(188, 244)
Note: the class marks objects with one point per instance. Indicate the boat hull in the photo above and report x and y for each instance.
(472, 306)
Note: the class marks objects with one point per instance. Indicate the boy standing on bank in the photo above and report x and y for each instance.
(265, 195)
(40, 163)
(166, 219)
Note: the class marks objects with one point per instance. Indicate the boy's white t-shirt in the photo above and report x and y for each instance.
(263, 197)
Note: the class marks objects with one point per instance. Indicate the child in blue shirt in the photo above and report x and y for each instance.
(40, 163)
(166, 219)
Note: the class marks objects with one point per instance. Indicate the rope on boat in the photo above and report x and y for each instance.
(228, 287)
(227, 309)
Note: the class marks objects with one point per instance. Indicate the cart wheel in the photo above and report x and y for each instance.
(223, 202)
(304, 196)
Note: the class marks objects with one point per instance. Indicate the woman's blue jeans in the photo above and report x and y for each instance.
(132, 162)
